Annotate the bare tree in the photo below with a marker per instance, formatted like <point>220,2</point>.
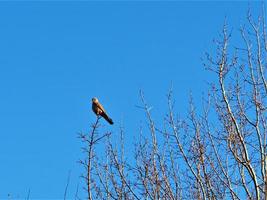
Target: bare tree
<point>217,153</point>
<point>90,140</point>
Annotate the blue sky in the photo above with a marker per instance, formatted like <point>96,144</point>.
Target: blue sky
<point>55,56</point>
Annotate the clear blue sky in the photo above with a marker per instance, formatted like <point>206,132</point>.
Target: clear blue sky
<point>55,56</point>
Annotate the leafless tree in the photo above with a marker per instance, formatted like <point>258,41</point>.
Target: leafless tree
<point>90,140</point>
<point>219,152</point>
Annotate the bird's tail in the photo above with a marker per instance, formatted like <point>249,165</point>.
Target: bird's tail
<point>105,116</point>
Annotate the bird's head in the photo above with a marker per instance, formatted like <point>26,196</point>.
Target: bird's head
<point>94,100</point>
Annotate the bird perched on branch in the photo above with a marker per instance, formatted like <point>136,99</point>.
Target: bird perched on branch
<point>100,111</point>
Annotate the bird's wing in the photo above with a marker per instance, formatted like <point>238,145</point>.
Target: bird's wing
<point>100,107</point>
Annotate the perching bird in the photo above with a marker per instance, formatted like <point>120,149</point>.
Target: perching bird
<point>99,110</point>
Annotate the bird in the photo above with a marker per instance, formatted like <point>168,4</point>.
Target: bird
<point>100,111</point>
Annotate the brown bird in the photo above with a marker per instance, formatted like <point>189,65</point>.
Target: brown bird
<point>99,110</point>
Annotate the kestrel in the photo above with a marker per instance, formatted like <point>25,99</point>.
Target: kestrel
<point>99,110</point>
